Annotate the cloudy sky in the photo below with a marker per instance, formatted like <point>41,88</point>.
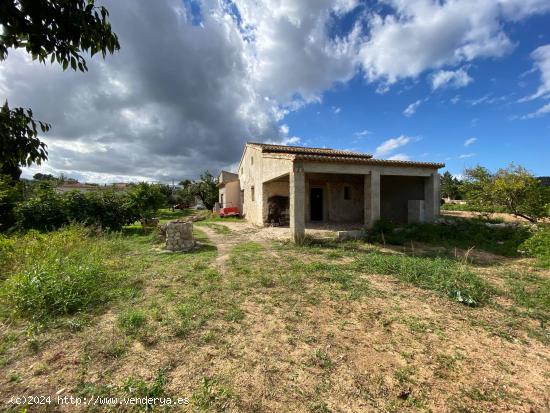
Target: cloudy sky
<point>458,81</point>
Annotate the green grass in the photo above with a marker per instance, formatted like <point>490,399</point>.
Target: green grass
<point>58,273</point>
<point>220,229</point>
<point>531,292</point>
<point>454,279</point>
<point>538,246</point>
<point>132,321</point>
<point>213,395</point>
<point>461,233</point>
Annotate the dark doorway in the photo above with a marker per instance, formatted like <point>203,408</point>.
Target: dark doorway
<point>316,201</point>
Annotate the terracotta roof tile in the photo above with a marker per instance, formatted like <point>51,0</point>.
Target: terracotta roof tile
<point>301,150</point>
<point>368,161</point>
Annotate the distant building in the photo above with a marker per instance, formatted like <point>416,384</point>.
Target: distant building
<point>544,180</point>
<point>76,186</point>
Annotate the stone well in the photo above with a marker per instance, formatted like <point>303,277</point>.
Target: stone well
<point>179,236</point>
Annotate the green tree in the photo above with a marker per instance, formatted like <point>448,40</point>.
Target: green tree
<point>49,30</point>
<point>512,189</point>
<point>19,143</point>
<point>450,186</point>
<point>43,177</point>
<point>206,189</point>
<point>185,194</point>
<point>146,199</point>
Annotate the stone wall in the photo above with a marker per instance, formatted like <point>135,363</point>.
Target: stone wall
<point>179,236</point>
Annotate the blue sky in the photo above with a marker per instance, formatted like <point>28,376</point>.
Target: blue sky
<point>480,123</point>
<point>463,82</point>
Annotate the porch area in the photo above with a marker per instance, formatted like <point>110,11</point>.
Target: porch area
<point>328,201</point>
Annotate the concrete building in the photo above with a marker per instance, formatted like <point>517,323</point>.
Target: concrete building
<point>304,186</point>
<point>229,190</point>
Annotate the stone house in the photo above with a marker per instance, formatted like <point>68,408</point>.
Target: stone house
<point>301,186</point>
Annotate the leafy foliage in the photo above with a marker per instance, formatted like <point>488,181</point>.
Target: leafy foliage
<point>48,209</point>
<point>58,273</point>
<point>57,30</point>
<point>19,143</point>
<point>206,189</point>
<point>10,194</point>
<point>538,246</point>
<point>146,199</point>
<point>513,189</point>
<point>450,186</point>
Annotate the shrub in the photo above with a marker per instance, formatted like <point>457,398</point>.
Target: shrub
<point>48,210</point>
<point>44,211</point>
<point>538,246</point>
<point>146,199</point>
<point>7,255</point>
<point>59,273</point>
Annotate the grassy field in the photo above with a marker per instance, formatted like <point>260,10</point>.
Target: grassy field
<point>323,327</point>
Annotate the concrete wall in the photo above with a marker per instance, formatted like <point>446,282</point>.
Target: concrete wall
<point>250,175</point>
<point>395,192</point>
<point>335,207</point>
<point>255,169</point>
<point>231,192</point>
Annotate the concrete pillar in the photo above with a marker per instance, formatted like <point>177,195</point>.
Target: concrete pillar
<point>372,198</point>
<point>297,203</point>
<point>432,197</point>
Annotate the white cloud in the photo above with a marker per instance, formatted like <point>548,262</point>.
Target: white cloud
<point>449,78</point>
<point>235,75</point>
<point>411,109</point>
<point>545,110</point>
<point>391,145</point>
<point>469,141</point>
<point>336,110</point>
<point>399,157</point>
<point>541,56</point>
<point>467,155</point>
<point>423,34</point>
<point>362,134</point>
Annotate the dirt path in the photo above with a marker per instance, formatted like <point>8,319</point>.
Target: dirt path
<point>241,232</point>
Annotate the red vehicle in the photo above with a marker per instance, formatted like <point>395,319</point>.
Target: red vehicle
<point>230,212</point>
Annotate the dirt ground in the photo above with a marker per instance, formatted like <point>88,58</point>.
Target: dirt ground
<point>296,343</point>
<point>497,216</point>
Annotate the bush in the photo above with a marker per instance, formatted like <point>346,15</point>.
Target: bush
<point>48,210</point>
<point>538,246</point>
<point>59,273</point>
<point>146,199</point>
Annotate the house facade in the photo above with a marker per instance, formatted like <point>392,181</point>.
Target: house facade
<point>302,186</point>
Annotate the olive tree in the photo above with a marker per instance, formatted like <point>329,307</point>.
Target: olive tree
<point>512,189</point>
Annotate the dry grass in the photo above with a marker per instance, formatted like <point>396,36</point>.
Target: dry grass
<point>297,329</point>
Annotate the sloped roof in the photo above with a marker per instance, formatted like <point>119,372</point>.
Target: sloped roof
<point>369,161</point>
<point>302,150</point>
<point>334,155</point>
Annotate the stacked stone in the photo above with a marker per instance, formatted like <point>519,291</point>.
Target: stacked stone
<point>179,236</point>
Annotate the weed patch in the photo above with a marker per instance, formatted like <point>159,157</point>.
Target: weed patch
<point>62,272</point>
<point>213,395</point>
<point>132,321</point>
<point>460,233</point>
<point>437,274</point>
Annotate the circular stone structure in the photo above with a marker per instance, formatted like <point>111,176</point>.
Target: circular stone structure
<point>179,236</point>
